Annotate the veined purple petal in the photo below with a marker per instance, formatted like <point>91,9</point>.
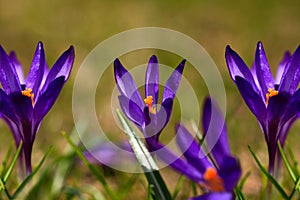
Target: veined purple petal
<point>214,196</point>
<point>191,149</point>
<point>8,75</point>
<point>164,114</point>
<point>291,77</point>
<point>126,84</point>
<point>283,67</point>
<point>172,83</point>
<point>237,67</point>
<point>251,98</point>
<point>47,99</point>
<point>151,79</point>
<point>292,108</point>
<point>13,58</point>
<point>174,161</point>
<point>230,171</point>
<point>263,73</point>
<point>6,108</point>
<point>36,71</point>
<point>277,106</point>
<point>62,67</point>
<point>215,132</point>
<point>132,110</point>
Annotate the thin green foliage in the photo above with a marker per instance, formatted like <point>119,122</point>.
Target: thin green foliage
<point>269,176</point>
<point>178,187</point>
<point>98,175</point>
<point>30,176</point>
<point>146,161</point>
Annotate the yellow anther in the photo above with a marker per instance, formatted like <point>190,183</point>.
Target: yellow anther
<point>213,182</point>
<point>28,93</point>
<point>149,102</point>
<point>271,93</point>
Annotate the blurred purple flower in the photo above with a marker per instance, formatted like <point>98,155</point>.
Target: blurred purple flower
<point>218,173</point>
<point>25,102</point>
<point>146,114</point>
<point>111,155</point>
<point>275,103</point>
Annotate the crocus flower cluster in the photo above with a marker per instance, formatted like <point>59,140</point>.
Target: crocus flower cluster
<point>218,176</point>
<point>25,102</point>
<point>144,112</point>
<point>218,172</point>
<point>275,103</point>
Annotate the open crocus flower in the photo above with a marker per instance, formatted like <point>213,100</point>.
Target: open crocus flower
<point>25,102</point>
<point>275,103</point>
<point>217,173</point>
<point>145,112</point>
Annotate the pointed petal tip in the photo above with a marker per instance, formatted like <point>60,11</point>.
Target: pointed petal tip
<point>153,59</point>
<point>228,49</point>
<point>117,62</point>
<point>181,66</point>
<point>40,45</point>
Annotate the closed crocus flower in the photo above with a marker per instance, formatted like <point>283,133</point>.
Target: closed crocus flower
<point>274,102</point>
<point>24,102</point>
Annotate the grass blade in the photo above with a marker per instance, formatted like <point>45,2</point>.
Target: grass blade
<point>145,159</point>
<point>13,162</point>
<point>286,163</point>
<point>178,187</point>
<point>90,166</point>
<point>30,176</point>
<point>271,178</point>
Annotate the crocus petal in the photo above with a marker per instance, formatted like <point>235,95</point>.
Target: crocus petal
<point>283,67</point>
<point>263,72</point>
<point>6,107</point>
<point>13,58</point>
<point>215,132</point>
<point>126,84</point>
<point>214,196</point>
<point>47,99</point>
<point>191,149</point>
<point>290,78</point>
<point>151,79</point>
<point>230,171</point>
<point>36,71</point>
<point>252,99</point>
<point>173,160</point>
<point>62,67</point>
<point>172,83</point>
<point>277,106</point>
<point>132,110</point>
<point>292,108</point>
<point>164,114</point>
<point>8,75</point>
<point>237,67</point>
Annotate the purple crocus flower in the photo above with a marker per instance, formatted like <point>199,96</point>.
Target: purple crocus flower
<point>145,113</point>
<point>275,103</point>
<point>25,102</point>
<point>217,173</point>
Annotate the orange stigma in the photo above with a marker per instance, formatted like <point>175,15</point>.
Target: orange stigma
<point>28,93</point>
<point>149,102</point>
<point>271,93</point>
<point>213,183</point>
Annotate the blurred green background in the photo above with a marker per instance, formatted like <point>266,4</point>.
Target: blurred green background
<point>214,24</point>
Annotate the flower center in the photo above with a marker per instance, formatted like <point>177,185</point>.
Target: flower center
<point>28,93</point>
<point>213,183</point>
<point>149,102</point>
<point>271,93</point>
